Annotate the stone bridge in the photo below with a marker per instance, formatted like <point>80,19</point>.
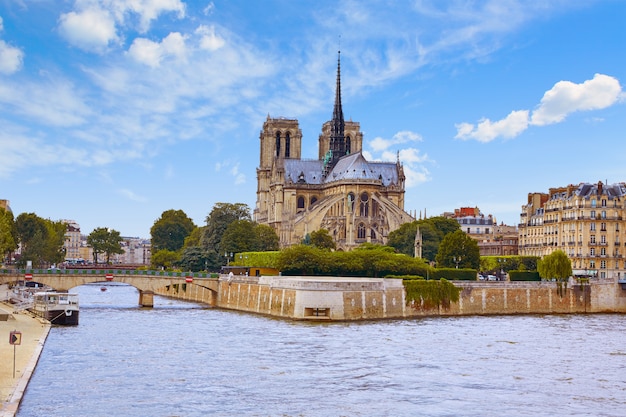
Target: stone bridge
<point>146,282</point>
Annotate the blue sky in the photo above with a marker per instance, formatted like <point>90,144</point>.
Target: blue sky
<point>113,111</point>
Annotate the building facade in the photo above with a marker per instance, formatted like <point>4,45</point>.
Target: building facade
<point>586,221</point>
<point>356,200</point>
<point>493,239</point>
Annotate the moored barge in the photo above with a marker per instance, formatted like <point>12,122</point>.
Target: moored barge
<point>56,307</point>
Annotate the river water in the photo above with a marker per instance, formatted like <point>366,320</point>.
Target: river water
<point>182,359</point>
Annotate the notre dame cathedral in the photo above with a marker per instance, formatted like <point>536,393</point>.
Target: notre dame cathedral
<point>355,200</point>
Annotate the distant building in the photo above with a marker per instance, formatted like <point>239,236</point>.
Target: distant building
<point>5,205</point>
<point>492,239</point>
<point>72,242</point>
<point>586,221</point>
<point>357,201</point>
<point>137,251</point>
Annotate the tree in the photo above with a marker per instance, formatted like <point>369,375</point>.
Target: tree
<point>321,239</point>
<point>248,236</point>
<point>194,237</point>
<point>222,215</point>
<point>41,239</point>
<point>432,230</point>
<point>458,249</point>
<point>170,230</point>
<point>106,241</point>
<point>8,233</point>
<point>193,259</point>
<point>164,259</point>
<point>556,265</point>
<point>267,239</point>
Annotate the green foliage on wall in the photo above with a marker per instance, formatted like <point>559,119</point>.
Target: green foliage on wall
<point>430,294</point>
<point>258,259</point>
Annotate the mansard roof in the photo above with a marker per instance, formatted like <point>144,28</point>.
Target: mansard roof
<point>587,190</point>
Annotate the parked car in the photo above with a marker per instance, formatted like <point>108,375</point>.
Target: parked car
<point>492,278</point>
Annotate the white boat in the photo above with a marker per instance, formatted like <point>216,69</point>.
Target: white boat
<point>56,307</point>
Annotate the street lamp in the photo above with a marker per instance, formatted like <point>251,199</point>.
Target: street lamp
<point>456,260</point>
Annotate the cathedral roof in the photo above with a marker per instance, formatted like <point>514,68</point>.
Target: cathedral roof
<point>356,167</point>
<point>351,167</point>
<point>307,171</point>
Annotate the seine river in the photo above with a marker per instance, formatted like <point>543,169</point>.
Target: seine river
<point>182,359</point>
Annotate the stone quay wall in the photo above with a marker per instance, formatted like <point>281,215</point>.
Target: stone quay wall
<point>337,298</point>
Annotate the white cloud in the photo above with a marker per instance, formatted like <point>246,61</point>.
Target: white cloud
<point>152,53</point>
<point>90,29</point>
<point>147,10</point>
<point>486,130</point>
<point>567,97</point>
<point>208,39</point>
<point>11,58</point>
<point>379,144</point>
<point>129,194</point>
<point>557,103</point>
<point>411,158</point>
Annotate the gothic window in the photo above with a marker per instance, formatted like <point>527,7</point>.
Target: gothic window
<point>361,231</point>
<point>300,202</point>
<point>313,200</point>
<point>278,144</point>
<point>287,144</point>
<point>348,145</point>
<point>375,208</point>
<point>373,232</point>
<point>364,206</point>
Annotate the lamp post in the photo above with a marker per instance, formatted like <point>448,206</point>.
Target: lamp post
<point>456,260</point>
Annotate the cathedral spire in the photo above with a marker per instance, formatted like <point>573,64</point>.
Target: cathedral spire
<point>337,138</point>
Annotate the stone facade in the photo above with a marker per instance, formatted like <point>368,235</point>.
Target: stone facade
<point>335,299</point>
<point>586,221</point>
<point>356,200</point>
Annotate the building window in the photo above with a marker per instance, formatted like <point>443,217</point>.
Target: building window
<point>300,202</point>
<point>361,231</point>
<point>364,206</point>
<point>593,214</point>
<point>373,232</point>
<point>603,227</point>
<point>592,251</point>
<point>348,145</point>
<point>287,145</point>
<point>603,240</point>
<point>592,264</point>
<point>592,227</point>
<point>313,200</point>
<point>278,144</point>
<point>593,203</point>
<point>602,251</point>
<point>602,264</point>
<point>603,202</point>
<point>592,239</point>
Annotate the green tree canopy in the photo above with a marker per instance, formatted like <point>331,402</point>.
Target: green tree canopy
<point>103,240</point>
<point>193,259</point>
<point>222,215</point>
<point>556,265</point>
<point>170,230</point>
<point>321,239</point>
<point>458,249</point>
<point>8,233</point>
<point>41,239</point>
<point>432,230</point>
<point>248,236</point>
<point>164,259</point>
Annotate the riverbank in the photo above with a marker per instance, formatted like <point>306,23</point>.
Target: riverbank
<point>346,299</point>
<point>34,332</point>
